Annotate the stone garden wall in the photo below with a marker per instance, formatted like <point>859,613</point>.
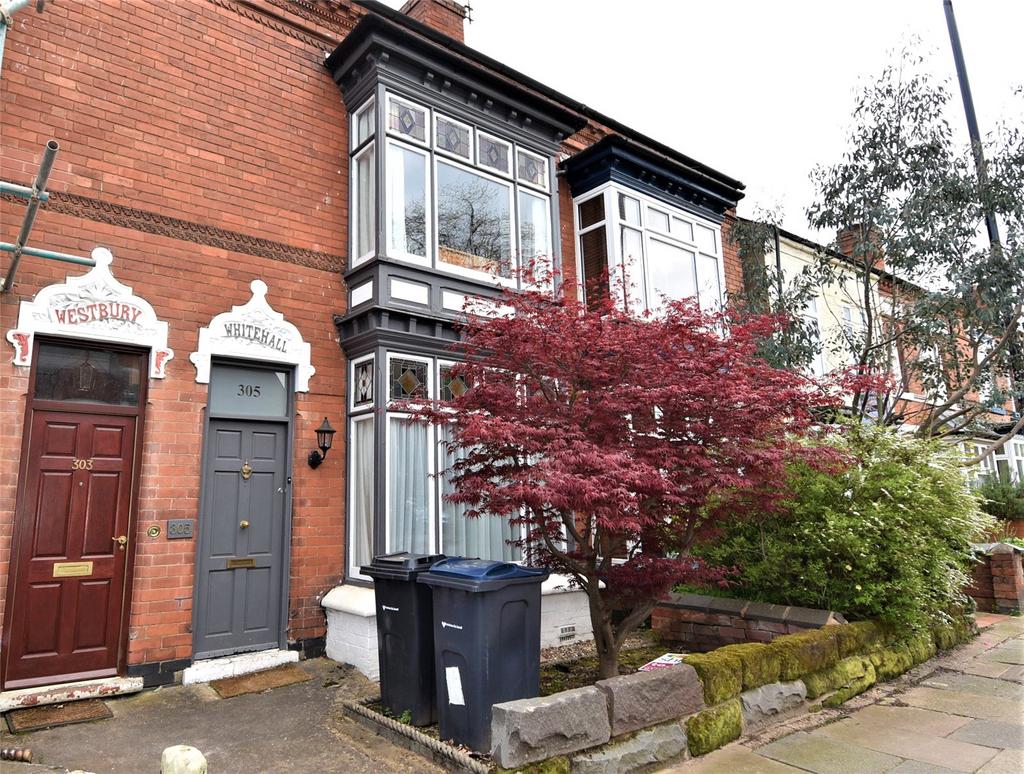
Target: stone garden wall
<point>703,623</point>
<point>998,578</point>
<point>630,722</point>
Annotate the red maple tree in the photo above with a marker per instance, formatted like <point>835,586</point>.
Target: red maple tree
<point>613,441</point>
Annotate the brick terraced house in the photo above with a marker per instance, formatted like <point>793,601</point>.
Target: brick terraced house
<point>286,204</point>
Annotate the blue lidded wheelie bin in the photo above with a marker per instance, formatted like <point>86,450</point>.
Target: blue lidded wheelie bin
<point>486,642</point>
<point>405,641</point>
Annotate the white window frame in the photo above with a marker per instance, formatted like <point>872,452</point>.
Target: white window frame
<point>353,567</point>
<point>613,223</point>
<point>354,142</point>
<point>354,213</point>
<point>428,204</point>
<point>513,225</point>
<point>352,364</point>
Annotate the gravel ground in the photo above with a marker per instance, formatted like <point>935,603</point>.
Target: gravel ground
<point>585,649</point>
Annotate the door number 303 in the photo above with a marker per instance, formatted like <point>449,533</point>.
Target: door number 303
<point>248,391</point>
<point>77,464</point>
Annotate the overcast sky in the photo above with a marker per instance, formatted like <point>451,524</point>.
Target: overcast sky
<point>760,90</point>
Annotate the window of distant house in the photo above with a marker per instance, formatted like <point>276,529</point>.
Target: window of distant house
<point>651,251</point>
<point>457,198</point>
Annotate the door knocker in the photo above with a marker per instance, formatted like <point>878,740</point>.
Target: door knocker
<point>246,471</point>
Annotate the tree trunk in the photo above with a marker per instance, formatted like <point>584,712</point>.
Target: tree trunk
<point>607,652</point>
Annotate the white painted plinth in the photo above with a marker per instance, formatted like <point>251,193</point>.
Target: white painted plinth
<point>232,666</point>
<point>101,688</point>
<point>352,622</point>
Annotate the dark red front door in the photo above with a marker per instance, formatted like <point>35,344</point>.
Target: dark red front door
<point>67,587</point>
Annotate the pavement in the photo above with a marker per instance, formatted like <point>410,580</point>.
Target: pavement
<point>960,712</point>
<point>296,728</point>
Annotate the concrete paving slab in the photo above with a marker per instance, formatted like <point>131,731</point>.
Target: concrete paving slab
<point>1014,673</point>
<point>933,750</point>
<point>992,733</point>
<point>732,760</point>
<point>823,755</point>
<point>912,719</point>
<point>966,704</point>
<point>1007,762</point>
<point>985,669</point>
<point>976,684</point>
<point>916,767</point>
<point>1010,653</point>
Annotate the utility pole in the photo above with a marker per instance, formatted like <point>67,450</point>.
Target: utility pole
<point>991,225</point>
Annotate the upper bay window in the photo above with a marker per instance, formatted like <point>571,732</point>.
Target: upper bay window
<point>651,251</point>
<point>457,198</point>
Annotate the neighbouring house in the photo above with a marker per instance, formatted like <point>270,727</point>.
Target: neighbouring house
<point>292,201</point>
<point>836,313</point>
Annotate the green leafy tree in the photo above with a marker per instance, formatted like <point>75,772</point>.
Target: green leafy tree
<point>951,310</point>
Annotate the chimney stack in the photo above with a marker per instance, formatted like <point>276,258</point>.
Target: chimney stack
<point>850,239</point>
<point>445,16</point>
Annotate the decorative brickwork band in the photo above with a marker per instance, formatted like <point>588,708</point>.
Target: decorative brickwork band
<point>185,230</point>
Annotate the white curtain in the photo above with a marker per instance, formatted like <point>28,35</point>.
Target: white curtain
<point>365,204</point>
<point>409,485</point>
<point>485,536</point>
<point>361,517</point>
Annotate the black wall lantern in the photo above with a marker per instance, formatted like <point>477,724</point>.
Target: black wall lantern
<point>324,439</point>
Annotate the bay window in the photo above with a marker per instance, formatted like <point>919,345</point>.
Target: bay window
<point>652,251</point>
<point>416,475</point>
<point>457,198</point>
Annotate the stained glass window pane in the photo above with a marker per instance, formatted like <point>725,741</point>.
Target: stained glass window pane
<point>86,375</point>
<point>493,153</point>
<point>657,219</point>
<point>363,384</point>
<point>408,379</point>
<point>452,385</point>
<point>453,137</point>
<point>474,221</point>
<point>407,201</point>
<point>531,169</point>
<point>405,118</point>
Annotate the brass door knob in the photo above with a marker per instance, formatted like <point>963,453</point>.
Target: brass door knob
<point>121,541</point>
<point>243,524</point>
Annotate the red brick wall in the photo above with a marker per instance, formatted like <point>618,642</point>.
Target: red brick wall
<point>443,15</point>
<point>205,145</point>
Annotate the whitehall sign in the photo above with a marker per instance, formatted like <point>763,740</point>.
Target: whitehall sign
<point>94,306</point>
<point>256,332</point>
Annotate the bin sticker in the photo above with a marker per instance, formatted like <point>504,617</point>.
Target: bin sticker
<point>392,609</point>
<point>454,680</point>
<point>446,625</point>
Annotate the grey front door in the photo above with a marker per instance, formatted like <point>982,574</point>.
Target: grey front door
<point>241,538</point>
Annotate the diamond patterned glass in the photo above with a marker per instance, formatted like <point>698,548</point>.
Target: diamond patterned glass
<point>452,386</point>
<point>364,384</point>
<point>407,119</point>
<point>493,153</point>
<point>531,169</point>
<point>408,379</point>
<point>453,137</point>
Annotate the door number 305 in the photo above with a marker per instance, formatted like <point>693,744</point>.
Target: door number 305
<point>77,464</point>
<point>248,391</point>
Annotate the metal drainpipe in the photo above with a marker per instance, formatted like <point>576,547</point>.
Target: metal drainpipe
<point>38,187</point>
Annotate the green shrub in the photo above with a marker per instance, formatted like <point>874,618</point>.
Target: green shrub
<point>1002,499</point>
<point>889,538</point>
